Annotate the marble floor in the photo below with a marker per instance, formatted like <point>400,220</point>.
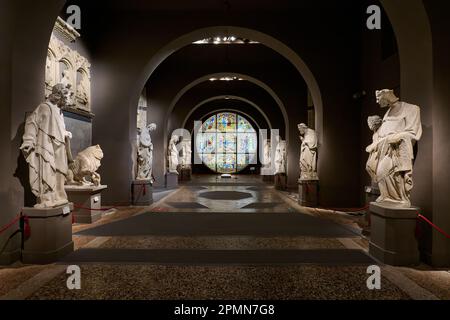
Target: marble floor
<point>222,239</point>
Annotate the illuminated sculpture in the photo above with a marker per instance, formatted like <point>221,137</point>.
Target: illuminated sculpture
<point>308,155</point>
<point>46,148</point>
<point>145,153</point>
<point>172,154</point>
<point>400,130</point>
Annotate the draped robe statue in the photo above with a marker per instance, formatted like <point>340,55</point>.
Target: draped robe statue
<point>308,154</point>
<point>267,154</point>
<point>400,130</point>
<point>172,154</point>
<point>186,150</point>
<point>280,157</point>
<point>374,123</point>
<point>145,153</point>
<point>46,149</point>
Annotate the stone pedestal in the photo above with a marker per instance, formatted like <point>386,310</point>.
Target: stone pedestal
<point>88,202</point>
<point>393,235</point>
<point>308,193</point>
<point>142,192</point>
<point>171,180</point>
<point>372,193</point>
<point>51,234</point>
<point>185,174</point>
<point>281,181</point>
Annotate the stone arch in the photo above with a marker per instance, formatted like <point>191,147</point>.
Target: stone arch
<point>255,35</point>
<point>239,75</point>
<point>232,98</point>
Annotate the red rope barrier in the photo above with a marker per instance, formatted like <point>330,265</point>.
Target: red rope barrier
<point>421,217</point>
<point>10,224</point>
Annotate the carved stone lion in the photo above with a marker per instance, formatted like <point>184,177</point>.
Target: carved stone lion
<point>85,166</point>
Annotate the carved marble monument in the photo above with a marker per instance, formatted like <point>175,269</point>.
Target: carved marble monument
<point>172,155</point>
<point>267,154</point>
<point>280,166</point>
<point>308,154</point>
<point>186,154</point>
<point>85,166</point>
<point>145,153</point>
<point>67,66</point>
<point>393,220</point>
<point>185,166</point>
<point>393,155</point>
<point>308,187</point>
<point>267,170</point>
<point>46,150</point>
<point>280,157</point>
<point>83,185</point>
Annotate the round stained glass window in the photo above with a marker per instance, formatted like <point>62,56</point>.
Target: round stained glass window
<point>227,143</point>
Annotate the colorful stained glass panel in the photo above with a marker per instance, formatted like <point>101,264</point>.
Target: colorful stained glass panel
<point>209,125</point>
<point>226,122</point>
<point>226,163</point>
<point>244,125</point>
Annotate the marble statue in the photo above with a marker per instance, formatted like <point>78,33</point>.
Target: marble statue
<point>172,154</point>
<point>186,151</point>
<point>49,73</point>
<point>65,65</point>
<point>400,130</point>
<point>46,147</point>
<point>374,123</point>
<point>267,154</point>
<point>83,91</point>
<point>86,165</point>
<point>145,153</point>
<point>308,153</point>
<point>280,157</point>
<point>67,82</point>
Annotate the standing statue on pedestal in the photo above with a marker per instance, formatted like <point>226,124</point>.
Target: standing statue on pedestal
<point>172,154</point>
<point>308,153</point>
<point>46,147</point>
<point>145,153</point>
<point>280,158</point>
<point>267,154</point>
<point>397,135</point>
<point>186,151</point>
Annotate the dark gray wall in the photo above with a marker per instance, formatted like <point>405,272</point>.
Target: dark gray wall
<point>81,129</point>
<point>440,27</point>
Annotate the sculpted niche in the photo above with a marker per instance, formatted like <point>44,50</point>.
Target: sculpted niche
<point>145,153</point>
<point>46,148</point>
<point>391,153</point>
<point>308,153</point>
<point>68,67</point>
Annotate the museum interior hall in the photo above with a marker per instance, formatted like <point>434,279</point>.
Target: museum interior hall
<point>225,149</point>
